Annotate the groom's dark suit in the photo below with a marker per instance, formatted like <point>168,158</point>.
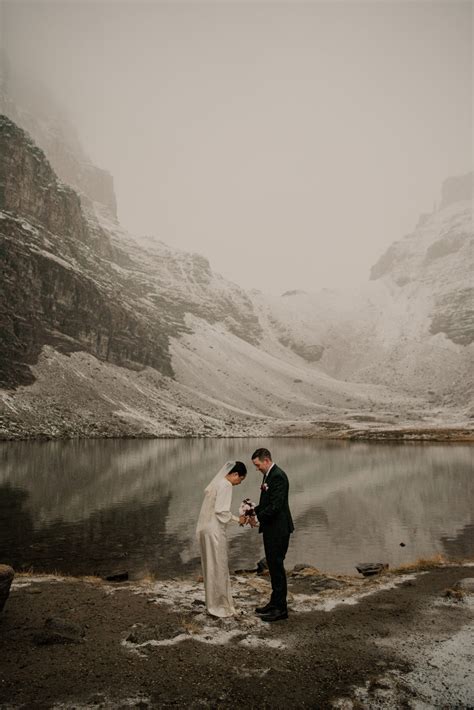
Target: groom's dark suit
<point>276,524</point>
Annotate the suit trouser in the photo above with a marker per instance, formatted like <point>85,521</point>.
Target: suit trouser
<point>276,546</point>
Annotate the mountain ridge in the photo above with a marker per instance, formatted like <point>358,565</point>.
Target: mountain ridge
<point>147,340</point>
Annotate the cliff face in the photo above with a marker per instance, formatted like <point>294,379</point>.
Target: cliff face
<point>178,282</point>
<point>33,108</point>
<point>29,187</point>
<point>412,326</point>
<point>73,279</point>
<point>435,263</point>
<point>57,286</point>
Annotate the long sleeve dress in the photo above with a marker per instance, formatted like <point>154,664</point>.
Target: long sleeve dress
<point>214,517</point>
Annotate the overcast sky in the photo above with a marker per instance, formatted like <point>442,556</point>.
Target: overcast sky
<point>289,142</point>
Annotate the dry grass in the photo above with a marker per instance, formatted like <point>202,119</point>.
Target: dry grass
<point>90,579</point>
<point>190,626</point>
<point>27,574</point>
<point>31,572</point>
<point>146,578</point>
<point>457,595</point>
<point>423,563</point>
<point>307,572</point>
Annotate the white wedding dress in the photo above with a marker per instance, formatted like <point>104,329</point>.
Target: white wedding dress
<point>214,517</point>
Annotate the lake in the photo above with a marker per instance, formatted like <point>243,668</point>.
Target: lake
<point>102,506</point>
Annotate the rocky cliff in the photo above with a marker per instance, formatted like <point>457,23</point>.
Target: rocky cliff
<point>59,286</point>
<point>411,326</point>
<point>436,262</point>
<point>75,283</point>
<point>32,107</point>
<point>102,335</point>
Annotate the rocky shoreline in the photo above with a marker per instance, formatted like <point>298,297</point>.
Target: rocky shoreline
<point>390,436</point>
<point>19,421</point>
<point>400,639</point>
<point>405,435</point>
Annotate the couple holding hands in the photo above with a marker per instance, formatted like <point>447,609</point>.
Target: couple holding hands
<point>272,516</point>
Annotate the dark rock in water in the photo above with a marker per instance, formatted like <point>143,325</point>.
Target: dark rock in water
<point>61,631</point>
<point>198,602</point>
<point>117,577</point>
<point>368,569</point>
<point>402,544</point>
<point>6,578</point>
<point>262,566</point>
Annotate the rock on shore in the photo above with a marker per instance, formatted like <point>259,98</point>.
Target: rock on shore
<point>6,578</point>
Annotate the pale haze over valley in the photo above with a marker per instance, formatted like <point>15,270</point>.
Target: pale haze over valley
<point>290,143</point>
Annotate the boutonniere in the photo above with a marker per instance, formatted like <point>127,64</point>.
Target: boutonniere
<point>264,487</point>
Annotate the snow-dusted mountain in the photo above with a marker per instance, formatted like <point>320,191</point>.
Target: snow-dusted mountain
<point>411,326</point>
<point>74,282</point>
<point>104,335</point>
<point>32,107</point>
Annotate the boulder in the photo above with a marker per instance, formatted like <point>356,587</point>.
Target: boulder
<point>117,577</point>
<point>369,569</point>
<point>301,566</point>
<point>6,578</point>
<point>320,583</point>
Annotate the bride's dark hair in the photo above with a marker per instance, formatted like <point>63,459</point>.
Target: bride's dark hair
<point>239,468</point>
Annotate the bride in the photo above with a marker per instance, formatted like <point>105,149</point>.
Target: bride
<point>213,519</point>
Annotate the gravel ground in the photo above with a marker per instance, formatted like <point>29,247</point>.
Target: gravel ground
<point>395,640</point>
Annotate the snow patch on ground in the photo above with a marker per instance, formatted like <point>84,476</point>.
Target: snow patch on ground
<point>19,582</point>
<point>208,634</point>
<point>100,700</point>
<point>245,628</point>
<point>310,602</point>
<point>441,677</point>
<point>275,384</point>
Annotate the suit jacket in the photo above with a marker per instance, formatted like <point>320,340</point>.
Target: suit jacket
<point>273,511</point>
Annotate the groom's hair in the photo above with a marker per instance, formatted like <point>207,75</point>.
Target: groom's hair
<point>261,454</point>
<point>239,468</point>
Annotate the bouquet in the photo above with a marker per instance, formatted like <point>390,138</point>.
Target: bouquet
<point>247,508</point>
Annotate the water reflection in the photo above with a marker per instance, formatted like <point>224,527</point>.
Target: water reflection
<point>100,506</point>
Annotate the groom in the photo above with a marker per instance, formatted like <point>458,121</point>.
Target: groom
<point>274,516</point>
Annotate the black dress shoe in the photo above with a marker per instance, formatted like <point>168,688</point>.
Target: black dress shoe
<point>264,609</point>
<point>275,615</point>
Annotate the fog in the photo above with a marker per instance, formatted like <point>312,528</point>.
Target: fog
<point>290,143</point>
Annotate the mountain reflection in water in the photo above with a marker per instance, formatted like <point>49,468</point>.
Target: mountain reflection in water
<point>98,506</point>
